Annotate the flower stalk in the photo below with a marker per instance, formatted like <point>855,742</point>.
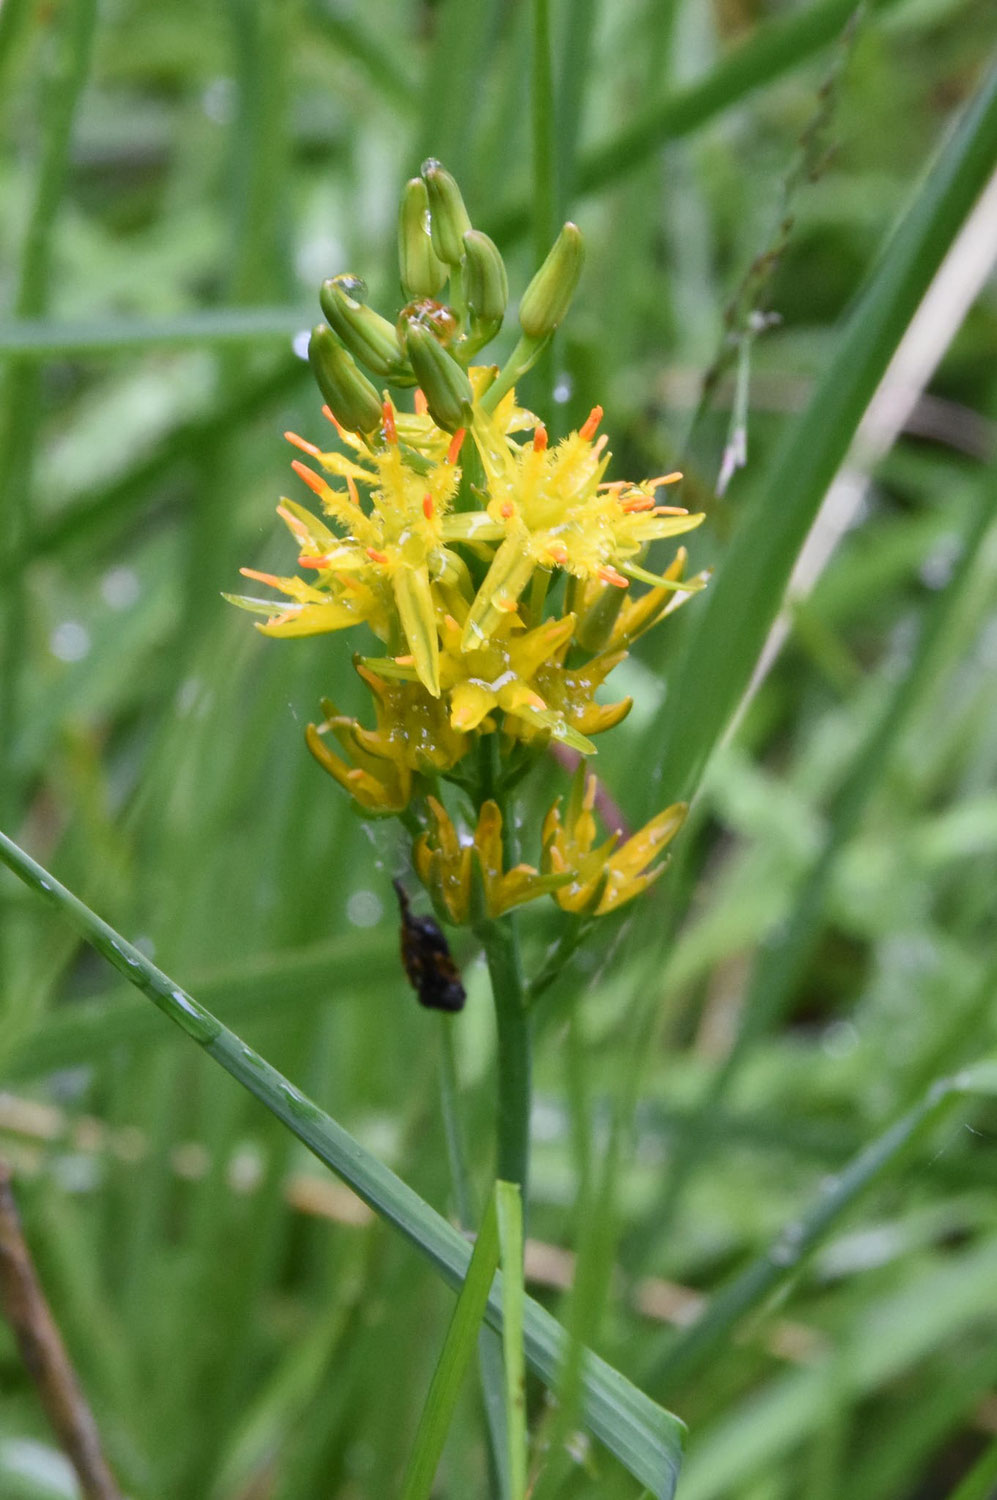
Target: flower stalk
<point>499,580</point>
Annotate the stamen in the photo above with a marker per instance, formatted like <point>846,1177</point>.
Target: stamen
<point>269,578</point>
<point>355,775</point>
<point>427,507</point>
<point>352,487</point>
<point>591,423</point>
<point>559,555</point>
<point>639,502</point>
<point>610,575</point>
<point>673,478</point>
<point>375,556</point>
<point>456,443</point>
<point>534,700</point>
<point>390,430</point>
<point>313,480</point>
<point>303,444</point>
<point>540,438</point>
<point>405,661</point>
<point>508,510</point>
<point>419,402</point>
<point>450,622</point>
<point>505,604</point>
<point>670,510</point>
<point>309,560</point>
<point>599,445</point>
<point>330,416</point>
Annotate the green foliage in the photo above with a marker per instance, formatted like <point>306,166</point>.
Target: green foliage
<point>766,1087</point>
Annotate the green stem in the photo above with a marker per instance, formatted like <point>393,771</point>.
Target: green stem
<point>505,970</point>
<point>520,360</point>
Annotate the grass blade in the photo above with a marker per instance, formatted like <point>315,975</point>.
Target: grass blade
<point>460,1343</point>
<point>509,1213</point>
<point>748,589</point>
<point>782,1260</point>
<point>643,1436</point>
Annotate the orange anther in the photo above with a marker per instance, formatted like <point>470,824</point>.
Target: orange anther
<point>405,661</point>
<point>303,444</point>
<point>456,443</point>
<point>636,501</point>
<point>355,775</point>
<point>670,510</point>
<point>427,507</point>
<point>419,402</point>
<point>450,622</point>
<point>508,509</point>
<point>390,430</point>
<point>313,481</point>
<point>506,605</point>
<point>559,555</point>
<point>330,416</point>
<point>591,423</point>
<point>672,478</point>
<point>261,577</point>
<point>308,560</point>
<point>375,556</point>
<point>539,438</point>
<point>535,701</point>
<point>610,575</point>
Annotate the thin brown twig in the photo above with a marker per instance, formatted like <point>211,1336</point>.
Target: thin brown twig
<point>44,1353</point>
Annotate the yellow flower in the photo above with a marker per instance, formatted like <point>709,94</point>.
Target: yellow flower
<point>504,673</point>
<point>382,569</point>
<point>380,784</point>
<point>605,878</point>
<point>551,509</point>
<point>443,863</point>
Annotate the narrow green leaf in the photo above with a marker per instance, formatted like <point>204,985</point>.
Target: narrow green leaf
<point>39,338</point>
<point>782,1260</point>
<point>644,1437</point>
<point>459,1346</point>
<point>747,591</point>
<point>509,1209</point>
<point>774,50</point>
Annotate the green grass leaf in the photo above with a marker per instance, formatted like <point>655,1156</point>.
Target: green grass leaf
<point>747,591</point>
<point>643,1436</point>
<point>455,1356</point>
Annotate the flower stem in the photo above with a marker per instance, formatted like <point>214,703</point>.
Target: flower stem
<point>505,969</point>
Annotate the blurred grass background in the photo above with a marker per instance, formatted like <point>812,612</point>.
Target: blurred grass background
<point>175,182</point>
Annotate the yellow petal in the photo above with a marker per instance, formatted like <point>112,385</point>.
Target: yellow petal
<point>636,854</point>
<point>414,598</point>
<point>310,619</point>
<point>470,703</point>
<point>510,572</point>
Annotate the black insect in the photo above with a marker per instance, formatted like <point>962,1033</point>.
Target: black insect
<point>427,960</point>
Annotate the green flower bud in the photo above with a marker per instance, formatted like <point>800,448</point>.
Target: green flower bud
<point>448,220</point>
<point>422,272</point>
<point>352,399</point>
<point>368,337</point>
<point>444,384</point>
<point>549,294</point>
<point>486,285</point>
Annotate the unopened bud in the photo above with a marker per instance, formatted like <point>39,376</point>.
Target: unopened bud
<point>448,220</point>
<point>422,271</point>
<point>368,337</point>
<point>549,294</point>
<point>486,285</point>
<point>352,399</point>
<point>444,384</point>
